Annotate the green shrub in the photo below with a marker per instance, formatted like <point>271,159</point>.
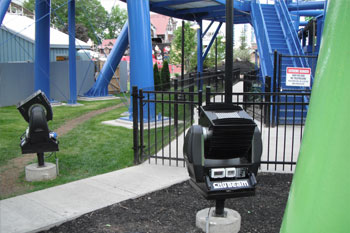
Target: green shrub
<point>157,80</point>
<point>165,76</point>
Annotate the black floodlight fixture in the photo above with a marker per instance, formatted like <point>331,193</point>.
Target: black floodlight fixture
<point>37,111</point>
<point>223,153</point>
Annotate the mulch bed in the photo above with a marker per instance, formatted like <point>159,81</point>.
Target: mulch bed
<point>174,210</point>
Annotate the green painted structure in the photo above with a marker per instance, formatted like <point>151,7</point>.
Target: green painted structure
<point>319,199</point>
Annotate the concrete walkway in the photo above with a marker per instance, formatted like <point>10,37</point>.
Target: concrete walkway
<point>44,209</point>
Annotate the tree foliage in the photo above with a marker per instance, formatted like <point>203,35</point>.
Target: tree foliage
<point>243,40</point>
<point>165,76</point>
<point>115,22</point>
<point>190,50</point>
<point>157,80</point>
<point>90,16</point>
<point>209,61</point>
<point>243,52</point>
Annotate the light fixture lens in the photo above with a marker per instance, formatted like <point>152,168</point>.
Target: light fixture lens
<point>217,173</point>
<point>195,26</point>
<point>230,172</point>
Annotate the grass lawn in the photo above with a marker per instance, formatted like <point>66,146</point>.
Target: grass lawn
<point>12,125</point>
<point>91,149</point>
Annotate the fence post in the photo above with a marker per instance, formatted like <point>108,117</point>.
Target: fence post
<point>200,100</point>
<point>216,81</point>
<point>275,56</point>
<point>207,95</point>
<point>135,124</point>
<point>191,89</point>
<point>141,125</point>
<point>267,100</point>
<point>176,98</point>
<point>279,87</point>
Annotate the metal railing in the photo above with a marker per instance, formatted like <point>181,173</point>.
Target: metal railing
<point>160,140</point>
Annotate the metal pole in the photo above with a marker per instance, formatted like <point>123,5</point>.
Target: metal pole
<point>42,47</point>
<point>182,54</point>
<point>216,54</point>
<point>41,160</point>
<point>220,207</point>
<point>135,124</point>
<point>199,55</point>
<point>229,51</point>
<point>72,54</point>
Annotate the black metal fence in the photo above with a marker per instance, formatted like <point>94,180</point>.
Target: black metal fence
<point>160,133</point>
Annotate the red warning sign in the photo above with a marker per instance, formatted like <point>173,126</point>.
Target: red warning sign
<point>298,77</point>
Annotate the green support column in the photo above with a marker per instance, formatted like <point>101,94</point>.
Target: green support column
<point>319,199</point>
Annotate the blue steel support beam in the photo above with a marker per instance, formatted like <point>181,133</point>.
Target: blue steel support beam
<point>72,53</point>
<point>141,65</point>
<point>100,87</point>
<point>303,23</point>
<point>199,53</point>
<point>4,5</point>
<point>308,12</point>
<point>211,41</point>
<point>306,5</point>
<point>207,29</point>
<point>199,10</point>
<point>42,47</point>
<point>172,2</point>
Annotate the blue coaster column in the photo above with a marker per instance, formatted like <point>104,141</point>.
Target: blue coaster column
<point>100,88</point>
<point>141,66</point>
<point>4,5</point>
<point>199,53</point>
<point>42,47</point>
<point>72,53</point>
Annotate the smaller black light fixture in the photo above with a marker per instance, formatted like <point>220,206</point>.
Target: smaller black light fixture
<point>37,111</point>
<point>223,153</point>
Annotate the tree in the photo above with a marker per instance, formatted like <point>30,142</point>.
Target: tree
<point>157,80</point>
<point>115,22</point>
<point>81,32</point>
<point>90,14</point>
<point>165,76</point>
<point>190,50</point>
<point>209,61</point>
<point>243,52</point>
<point>243,40</point>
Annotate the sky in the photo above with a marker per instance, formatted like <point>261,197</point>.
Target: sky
<point>108,4</point>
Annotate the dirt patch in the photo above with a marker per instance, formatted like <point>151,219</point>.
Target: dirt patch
<point>10,173</point>
<point>174,210</point>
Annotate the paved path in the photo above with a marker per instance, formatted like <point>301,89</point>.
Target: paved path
<point>46,208</point>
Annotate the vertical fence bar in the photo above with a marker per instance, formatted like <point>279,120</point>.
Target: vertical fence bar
<point>200,100</point>
<point>275,56</point>
<point>267,99</point>
<point>245,90</point>
<point>135,124</point>
<point>162,128</point>
<point>279,86</point>
<point>149,127</point>
<point>155,127</point>
<point>191,89</point>
<point>176,117</point>
<point>141,125</point>
<point>169,128</point>
<point>302,117</point>
<point>285,130</point>
<point>292,151</point>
